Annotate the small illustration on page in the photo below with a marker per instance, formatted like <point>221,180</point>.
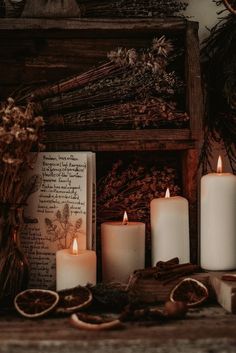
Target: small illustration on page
<point>62,230</point>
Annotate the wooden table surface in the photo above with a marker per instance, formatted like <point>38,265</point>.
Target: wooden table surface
<point>209,329</point>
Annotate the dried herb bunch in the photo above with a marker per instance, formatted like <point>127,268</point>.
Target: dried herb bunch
<point>131,8</point>
<point>131,187</point>
<point>136,88</point>
<point>219,67</point>
<point>151,113</point>
<point>19,133</point>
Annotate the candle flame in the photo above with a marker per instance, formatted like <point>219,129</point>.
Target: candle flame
<point>167,193</point>
<point>75,247</point>
<point>219,165</point>
<point>125,218</point>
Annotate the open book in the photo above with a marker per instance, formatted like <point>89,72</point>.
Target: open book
<point>61,206</point>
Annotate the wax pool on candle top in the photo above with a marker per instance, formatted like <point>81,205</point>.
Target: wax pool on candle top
<point>170,229</point>
<point>123,249</point>
<point>75,267</point>
<point>218,220</point>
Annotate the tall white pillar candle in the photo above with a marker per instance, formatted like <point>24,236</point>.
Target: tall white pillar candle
<point>123,249</point>
<point>218,220</point>
<point>170,229</point>
<point>75,267</point>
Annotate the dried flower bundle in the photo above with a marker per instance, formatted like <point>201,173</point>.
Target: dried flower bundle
<point>136,89</point>
<point>19,133</point>
<point>149,113</point>
<point>131,8</point>
<point>131,187</point>
<point>142,74</point>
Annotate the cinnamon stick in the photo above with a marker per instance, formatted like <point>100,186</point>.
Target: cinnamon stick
<point>167,271</point>
<point>167,264</point>
<point>176,272</point>
<point>148,272</point>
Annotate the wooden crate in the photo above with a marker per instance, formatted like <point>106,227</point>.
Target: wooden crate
<point>44,50</point>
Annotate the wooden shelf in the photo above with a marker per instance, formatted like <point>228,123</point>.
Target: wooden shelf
<point>120,140</point>
<point>85,24</point>
<point>40,51</point>
<point>197,333</point>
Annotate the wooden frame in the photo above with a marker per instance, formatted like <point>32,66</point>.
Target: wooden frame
<point>27,54</point>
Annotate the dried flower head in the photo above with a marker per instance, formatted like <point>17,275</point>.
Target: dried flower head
<point>162,46</point>
<point>123,56</point>
<point>19,132</point>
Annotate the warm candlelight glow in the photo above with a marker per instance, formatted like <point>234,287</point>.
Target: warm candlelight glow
<point>125,218</point>
<point>75,247</point>
<point>167,193</point>
<point>219,165</point>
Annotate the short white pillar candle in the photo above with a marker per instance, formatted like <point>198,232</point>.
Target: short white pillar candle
<point>170,229</point>
<point>123,249</point>
<point>75,267</point>
<point>218,220</point>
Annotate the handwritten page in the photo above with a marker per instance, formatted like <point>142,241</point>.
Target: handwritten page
<point>57,211</point>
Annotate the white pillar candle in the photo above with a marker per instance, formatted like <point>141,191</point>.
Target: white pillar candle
<point>75,267</point>
<point>170,229</point>
<point>218,220</point>
<point>123,249</point>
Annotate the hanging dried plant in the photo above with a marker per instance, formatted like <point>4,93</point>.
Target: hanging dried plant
<point>219,67</point>
<point>19,133</point>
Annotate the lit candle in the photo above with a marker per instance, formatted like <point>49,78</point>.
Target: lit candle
<point>218,220</point>
<point>170,228</point>
<point>123,249</point>
<point>75,267</point>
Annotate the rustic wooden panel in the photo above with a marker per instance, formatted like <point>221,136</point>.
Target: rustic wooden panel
<point>190,187</point>
<point>193,79</point>
<point>83,24</point>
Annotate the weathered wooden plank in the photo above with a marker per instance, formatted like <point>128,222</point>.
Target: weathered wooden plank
<point>193,79</point>
<point>120,140</point>
<point>120,135</point>
<point>190,186</point>
<point>118,146</point>
<point>173,24</point>
<point>198,333</point>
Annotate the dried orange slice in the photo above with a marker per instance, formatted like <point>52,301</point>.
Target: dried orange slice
<point>190,291</point>
<point>33,303</point>
<point>94,323</point>
<point>74,299</point>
